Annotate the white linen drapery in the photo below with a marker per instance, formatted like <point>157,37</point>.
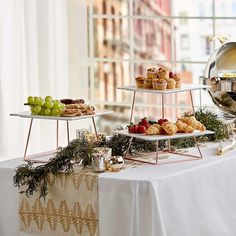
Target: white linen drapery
<point>33,61</point>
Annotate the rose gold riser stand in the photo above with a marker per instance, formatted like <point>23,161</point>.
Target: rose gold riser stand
<point>186,88</point>
<point>33,158</point>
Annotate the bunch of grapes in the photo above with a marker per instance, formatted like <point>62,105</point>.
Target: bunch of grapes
<point>45,107</point>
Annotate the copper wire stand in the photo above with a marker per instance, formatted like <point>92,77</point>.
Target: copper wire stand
<point>162,104</point>
<point>32,159</point>
<point>157,156</point>
<point>194,157</point>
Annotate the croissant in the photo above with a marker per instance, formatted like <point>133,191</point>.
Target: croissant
<point>152,130</point>
<point>157,126</point>
<point>183,127</point>
<point>170,128</point>
<point>191,120</point>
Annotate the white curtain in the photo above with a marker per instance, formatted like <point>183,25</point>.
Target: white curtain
<point>33,61</point>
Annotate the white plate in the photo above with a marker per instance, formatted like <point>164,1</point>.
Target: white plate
<point>184,87</point>
<point>27,114</point>
<point>162,137</point>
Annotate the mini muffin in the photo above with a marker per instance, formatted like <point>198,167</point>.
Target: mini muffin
<point>163,73</point>
<point>176,77</point>
<point>140,82</point>
<point>148,83</point>
<point>171,83</point>
<point>151,73</point>
<point>160,84</point>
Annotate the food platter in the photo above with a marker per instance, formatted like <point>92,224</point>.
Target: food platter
<point>27,114</point>
<point>196,133</point>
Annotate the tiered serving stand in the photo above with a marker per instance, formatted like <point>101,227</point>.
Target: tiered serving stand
<point>57,119</point>
<point>184,88</point>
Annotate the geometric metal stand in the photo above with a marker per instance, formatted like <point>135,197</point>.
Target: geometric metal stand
<point>57,119</point>
<point>57,139</point>
<point>185,87</point>
<point>127,157</point>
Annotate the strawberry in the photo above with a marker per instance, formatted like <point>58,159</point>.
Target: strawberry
<point>133,129</point>
<point>162,121</point>
<point>144,121</point>
<point>147,126</point>
<point>141,129</point>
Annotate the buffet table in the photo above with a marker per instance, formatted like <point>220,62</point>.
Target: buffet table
<point>196,198</point>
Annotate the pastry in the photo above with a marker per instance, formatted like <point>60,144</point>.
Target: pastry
<point>169,128</point>
<point>151,73</point>
<point>163,73</point>
<point>183,127</point>
<point>78,101</point>
<point>171,83</point>
<point>140,82</point>
<point>66,101</point>
<point>148,83</point>
<point>159,84</point>
<point>72,112</point>
<point>152,130</point>
<point>176,77</point>
<point>191,120</point>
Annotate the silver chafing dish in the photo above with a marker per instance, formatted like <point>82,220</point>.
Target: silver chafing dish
<point>220,73</point>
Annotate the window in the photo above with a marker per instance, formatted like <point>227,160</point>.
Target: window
<point>184,41</point>
<point>144,33</point>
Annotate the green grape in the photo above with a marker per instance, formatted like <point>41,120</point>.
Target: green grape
<point>63,106</point>
<point>49,104</point>
<point>47,112</point>
<point>55,112</point>
<point>32,109</point>
<point>48,98</point>
<point>30,100</point>
<point>37,109</point>
<point>41,102</point>
<point>57,104</point>
<point>36,101</point>
<point>42,112</point>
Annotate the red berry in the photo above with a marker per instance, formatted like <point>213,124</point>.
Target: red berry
<point>171,74</point>
<point>133,128</point>
<point>147,126</point>
<point>162,121</point>
<point>144,121</point>
<point>141,129</point>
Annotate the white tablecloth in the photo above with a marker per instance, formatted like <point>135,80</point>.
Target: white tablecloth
<point>196,198</point>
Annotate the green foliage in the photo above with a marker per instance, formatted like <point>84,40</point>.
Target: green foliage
<point>34,178</point>
<point>211,122</point>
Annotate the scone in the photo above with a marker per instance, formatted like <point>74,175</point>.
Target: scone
<point>140,82</point>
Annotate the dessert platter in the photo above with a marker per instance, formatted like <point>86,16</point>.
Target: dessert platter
<point>162,81</point>
<point>59,110</point>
